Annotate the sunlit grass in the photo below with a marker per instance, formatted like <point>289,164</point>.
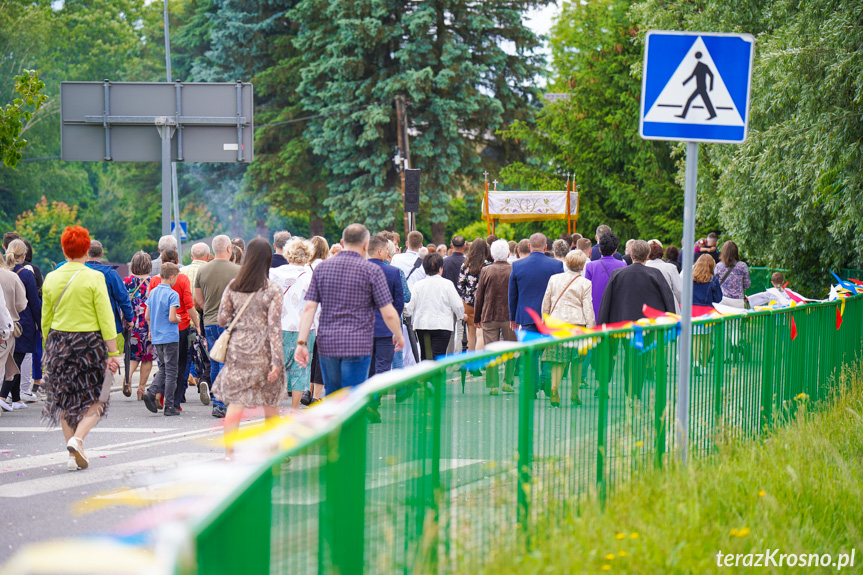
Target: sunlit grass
<point>799,489</point>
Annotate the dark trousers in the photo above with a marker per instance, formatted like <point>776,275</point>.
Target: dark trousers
<point>182,367</point>
<point>13,385</point>
<point>544,378</point>
<point>433,342</point>
<point>165,381</point>
<point>383,350</point>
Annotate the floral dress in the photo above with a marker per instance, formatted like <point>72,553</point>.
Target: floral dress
<point>254,348</point>
<point>467,284</point>
<point>139,335</point>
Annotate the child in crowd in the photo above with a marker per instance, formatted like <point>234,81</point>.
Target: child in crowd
<point>584,245</point>
<point>778,290</point>
<point>161,314</point>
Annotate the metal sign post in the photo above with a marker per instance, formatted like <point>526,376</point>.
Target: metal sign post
<point>695,88</point>
<point>114,121</point>
<point>689,196</point>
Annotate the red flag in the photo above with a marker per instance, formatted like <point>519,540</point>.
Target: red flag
<point>858,282</point>
<point>838,318</point>
<point>700,310</point>
<point>540,325</point>
<point>651,313</point>
<point>793,329</point>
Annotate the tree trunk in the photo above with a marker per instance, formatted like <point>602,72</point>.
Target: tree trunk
<point>438,232</point>
<point>316,225</point>
<point>262,230</point>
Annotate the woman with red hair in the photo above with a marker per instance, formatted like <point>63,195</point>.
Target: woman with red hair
<point>80,344</point>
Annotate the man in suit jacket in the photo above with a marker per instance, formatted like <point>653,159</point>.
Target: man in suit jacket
<point>527,284</point>
<point>384,346</point>
<point>633,286</point>
<point>528,281</point>
<point>627,291</point>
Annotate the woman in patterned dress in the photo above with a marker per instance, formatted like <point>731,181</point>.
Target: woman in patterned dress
<point>140,348</point>
<point>468,280</point>
<point>81,343</point>
<point>254,370</point>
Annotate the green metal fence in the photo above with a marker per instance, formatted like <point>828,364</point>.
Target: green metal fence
<point>460,472</point>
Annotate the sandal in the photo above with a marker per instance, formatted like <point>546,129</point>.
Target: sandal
<point>140,393</point>
<point>75,446</point>
<point>127,388</point>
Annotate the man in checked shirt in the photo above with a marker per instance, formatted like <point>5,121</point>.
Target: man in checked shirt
<point>349,289</point>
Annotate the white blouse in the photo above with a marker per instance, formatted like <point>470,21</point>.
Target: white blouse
<point>294,282</point>
<point>434,301</point>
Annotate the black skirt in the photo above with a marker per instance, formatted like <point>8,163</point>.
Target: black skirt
<point>74,366</point>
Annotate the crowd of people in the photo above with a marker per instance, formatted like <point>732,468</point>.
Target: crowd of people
<point>250,325</point>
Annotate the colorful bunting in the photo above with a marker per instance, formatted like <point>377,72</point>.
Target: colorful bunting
<point>793,329</point>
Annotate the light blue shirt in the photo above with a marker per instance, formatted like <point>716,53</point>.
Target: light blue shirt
<point>160,302</point>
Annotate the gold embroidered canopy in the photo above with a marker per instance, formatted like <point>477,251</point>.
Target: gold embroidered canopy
<point>530,206</point>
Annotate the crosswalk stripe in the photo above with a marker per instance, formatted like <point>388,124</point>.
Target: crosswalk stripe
<point>97,474</point>
<point>94,430</point>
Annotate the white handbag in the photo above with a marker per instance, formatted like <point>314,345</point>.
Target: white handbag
<point>220,348</point>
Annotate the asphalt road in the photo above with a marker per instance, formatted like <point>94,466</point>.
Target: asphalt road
<point>38,494</point>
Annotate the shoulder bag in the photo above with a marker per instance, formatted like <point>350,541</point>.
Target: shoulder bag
<point>220,348</point>
<point>563,292</point>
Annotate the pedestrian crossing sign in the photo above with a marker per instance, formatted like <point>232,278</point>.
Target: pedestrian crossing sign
<point>696,86</point>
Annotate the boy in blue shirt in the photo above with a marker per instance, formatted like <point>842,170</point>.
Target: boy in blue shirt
<point>161,314</point>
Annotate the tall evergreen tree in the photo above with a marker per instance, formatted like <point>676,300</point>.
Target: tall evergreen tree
<point>591,131</point>
<point>251,40</point>
<point>463,68</point>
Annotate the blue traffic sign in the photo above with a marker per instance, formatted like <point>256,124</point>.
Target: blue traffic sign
<point>696,86</point>
<point>184,229</point>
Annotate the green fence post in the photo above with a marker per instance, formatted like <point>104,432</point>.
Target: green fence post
<point>238,539</point>
<point>767,372</point>
<point>605,351</point>
<point>527,390</point>
<point>433,497</point>
<point>718,372</point>
<point>660,401</point>
<point>343,516</point>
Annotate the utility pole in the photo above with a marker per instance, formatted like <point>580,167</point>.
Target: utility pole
<point>174,194</point>
<point>404,155</point>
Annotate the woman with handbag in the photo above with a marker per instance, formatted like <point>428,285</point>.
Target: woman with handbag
<point>80,345</point>
<point>251,346</point>
<point>468,280</point>
<point>569,298</point>
<point>139,349</point>
<point>29,319</point>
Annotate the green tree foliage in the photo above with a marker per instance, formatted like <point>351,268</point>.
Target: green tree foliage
<point>789,196</point>
<point>15,115</point>
<point>446,58</point>
<point>592,130</point>
<point>43,226</point>
<point>78,40</point>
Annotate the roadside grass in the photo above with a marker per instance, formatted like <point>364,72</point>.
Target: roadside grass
<point>798,489</point>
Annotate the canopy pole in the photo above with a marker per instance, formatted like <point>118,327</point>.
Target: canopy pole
<point>568,210</point>
<point>485,205</point>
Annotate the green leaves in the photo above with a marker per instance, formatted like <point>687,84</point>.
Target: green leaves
<point>592,131</point>
<point>14,117</point>
<point>789,196</point>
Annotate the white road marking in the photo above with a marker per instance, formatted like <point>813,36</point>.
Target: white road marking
<point>96,429</point>
<point>74,480</point>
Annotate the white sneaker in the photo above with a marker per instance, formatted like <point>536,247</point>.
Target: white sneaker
<point>29,397</point>
<point>19,405</point>
<point>5,406</point>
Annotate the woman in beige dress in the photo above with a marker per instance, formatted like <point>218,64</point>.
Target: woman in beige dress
<point>254,370</point>
<point>569,298</point>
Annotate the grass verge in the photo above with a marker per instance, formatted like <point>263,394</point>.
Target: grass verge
<point>799,490</point>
